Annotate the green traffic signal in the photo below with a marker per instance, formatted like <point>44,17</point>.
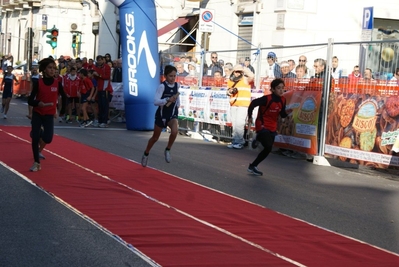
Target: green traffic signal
<point>74,41</point>
<point>53,36</point>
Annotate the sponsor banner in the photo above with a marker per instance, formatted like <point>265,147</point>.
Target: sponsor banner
<point>139,41</point>
<point>210,106</point>
<point>117,101</point>
<point>363,128</point>
<point>299,130</point>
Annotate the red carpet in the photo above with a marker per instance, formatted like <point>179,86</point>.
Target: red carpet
<point>175,222</point>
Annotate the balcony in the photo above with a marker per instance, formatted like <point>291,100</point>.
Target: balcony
<point>18,4</point>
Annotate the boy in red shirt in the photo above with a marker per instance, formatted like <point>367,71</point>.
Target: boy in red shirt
<point>270,108</point>
<point>86,95</point>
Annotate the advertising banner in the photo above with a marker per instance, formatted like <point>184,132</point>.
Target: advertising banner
<point>117,101</point>
<point>299,130</point>
<point>140,72</point>
<point>363,128</point>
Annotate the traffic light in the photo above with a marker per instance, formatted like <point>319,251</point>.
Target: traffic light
<point>74,41</point>
<point>53,36</point>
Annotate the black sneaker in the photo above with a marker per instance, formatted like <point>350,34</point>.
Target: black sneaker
<point>254,170</point>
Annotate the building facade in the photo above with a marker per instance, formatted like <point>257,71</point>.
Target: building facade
<point>239,26</point>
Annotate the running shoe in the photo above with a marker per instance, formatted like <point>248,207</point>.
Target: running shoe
<point>5,116</point>
<point>36,167</point>
<point>144,161</point>
<point>83,124</point>
<point>168,157</point>
<point>41,156</point>
<point>254,170</point>
<point>88,123</point>
<point>238,146</point>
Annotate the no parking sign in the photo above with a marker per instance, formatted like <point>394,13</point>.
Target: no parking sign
<point>206,20</point>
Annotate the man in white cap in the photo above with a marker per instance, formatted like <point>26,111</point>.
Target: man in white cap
<point>286,71</point>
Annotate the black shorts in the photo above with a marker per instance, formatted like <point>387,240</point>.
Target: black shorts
<point>83,97</point>
<point>73,100</point>
<point>7,94</point>
<point>162,122</point>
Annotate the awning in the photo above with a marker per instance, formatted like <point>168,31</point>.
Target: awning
<point>173,25</point>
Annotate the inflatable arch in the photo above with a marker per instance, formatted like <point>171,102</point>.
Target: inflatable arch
<point>140,61</point>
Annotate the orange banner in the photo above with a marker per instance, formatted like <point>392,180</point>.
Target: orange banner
<point>300,129</point>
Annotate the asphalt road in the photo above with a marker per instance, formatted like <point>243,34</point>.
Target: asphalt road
<point>37,230</point>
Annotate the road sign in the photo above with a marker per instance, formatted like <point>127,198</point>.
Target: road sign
<point>368,19</point>
<point>367,24</point>
<point>206,20</point>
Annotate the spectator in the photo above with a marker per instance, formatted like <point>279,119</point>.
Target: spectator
<point>117,73</point>
<point>319,68</point>
<point>302,62</point>
<point>301,71</point>
<point>192,70</point>
<point>336,71</point>
<point>3,65</point>
<point>285,70</point>
<point>214,66</point>
<point>71,88</point>
<point>34,77</point>
<point>6,62</point>
<point>90,64</point>
<point>180,70</point>
<point>247,64</point>
<point>86,94</point>
<point>78,64</point>
<point>292,65</point>
<point>228,70</point>
<point>102,73</point>
<point>107,58</point>
<point>355,75</point>
<point>368,75</point>
<point>395,75</point>
<point>273,70</point>
<point>218,80</point>
<point>239,93</point>
<point>61,59</point>
<point>93,101</point>
<point>241,61</point>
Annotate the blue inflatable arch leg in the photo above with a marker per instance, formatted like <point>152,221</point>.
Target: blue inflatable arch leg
<point>140,61</point>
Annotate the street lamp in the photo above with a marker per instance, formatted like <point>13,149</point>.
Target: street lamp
<point>19,35</point>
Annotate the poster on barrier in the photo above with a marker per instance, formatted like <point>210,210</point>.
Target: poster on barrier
<point>198,104</point>
<point>184,102</point>
<point>219,108</point>
<point>363,128</point>
<point>117,101</point>
<point>299,130</point>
